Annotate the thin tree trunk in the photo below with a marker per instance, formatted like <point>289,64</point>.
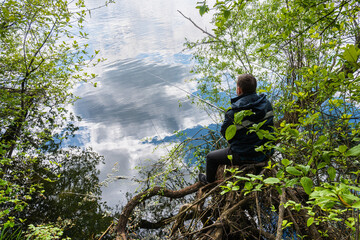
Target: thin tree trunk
<point>281,215</point>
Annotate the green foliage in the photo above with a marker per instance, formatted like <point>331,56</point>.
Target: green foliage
<point>230,132</point>
<point>251,182</point>
<point>203,8</point>
<point>44,232</point>
<point>238,118</point>
<point>11,233</point>
<point>353,152</point>
<point>43,56</point>
<point>305,55</point>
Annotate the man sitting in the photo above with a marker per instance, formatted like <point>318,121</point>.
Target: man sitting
<point>243,144</point>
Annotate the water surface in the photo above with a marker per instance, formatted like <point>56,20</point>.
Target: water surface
<point>137,97</point>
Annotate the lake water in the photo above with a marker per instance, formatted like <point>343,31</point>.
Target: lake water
<point>137,97</point>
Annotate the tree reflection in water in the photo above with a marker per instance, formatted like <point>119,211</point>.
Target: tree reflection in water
<point>74,196</point>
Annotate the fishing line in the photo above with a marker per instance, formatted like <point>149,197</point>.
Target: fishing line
<point>195,96</point>
<point>162,140</point>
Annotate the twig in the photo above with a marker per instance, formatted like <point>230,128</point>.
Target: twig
<point>298,231</point>
<point>281,216</point>
<point>215,225</point>
<point>106,230</point>
<point>204,31</point>
<point>258,212</point>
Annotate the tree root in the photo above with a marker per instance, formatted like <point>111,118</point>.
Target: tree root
<point>123,219</point>
<point>235,215</point>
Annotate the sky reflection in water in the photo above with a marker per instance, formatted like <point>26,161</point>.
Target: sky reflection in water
<point>140,39</point>
<point>132,98</point>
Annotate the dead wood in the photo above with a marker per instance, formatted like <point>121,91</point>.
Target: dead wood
<point>253,215</point>
<point>123,219</point>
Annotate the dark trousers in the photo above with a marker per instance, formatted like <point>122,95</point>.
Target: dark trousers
<point>220,157</point>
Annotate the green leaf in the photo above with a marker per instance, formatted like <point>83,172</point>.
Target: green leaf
<point>332,173</point>
<point>351,53</point>
<point>285,162</point>
<point>293,171</point>
<point>259,149</point>
<point>260,135</point>
<point>248,186</point>
<point>239,116</point>
<point>322,165</point>
<point>255,177</point>
<point>242,178</point>
<point>310,221</point>
<point>292,182</point>
<point>203,9</point>
<point>356,205</point>
<point>342,76</point>
<point>342,148</point>
<point>3,182</point>
<point>307,184</point>
<point>321,140</point>
<point>311,119</point>
<point>230,132</point>
<point>355,188</point>
<point>224,192</point>
<point>226,14</point>
<point>271,180</point>
<point>304,169</point>
<point>280,174</point>
<point>353,152</point>
<point>258,187</point>
<point>350,198</point>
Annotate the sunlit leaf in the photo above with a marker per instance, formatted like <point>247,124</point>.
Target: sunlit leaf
<point>271,180</point>
<point>230,132</point>
<point>310,221</point>
<point>351,53</point>
<point>293,171</point>
<point>356,205</point>
<point>332,173</point>
<point>307,184</point>
<point>353,152</point>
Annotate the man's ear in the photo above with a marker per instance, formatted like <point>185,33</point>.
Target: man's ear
<point>238,90</point>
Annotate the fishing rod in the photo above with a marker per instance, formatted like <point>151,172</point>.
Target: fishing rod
<point>195,96</point>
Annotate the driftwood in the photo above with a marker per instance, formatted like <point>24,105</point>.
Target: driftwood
<point>234,215</point>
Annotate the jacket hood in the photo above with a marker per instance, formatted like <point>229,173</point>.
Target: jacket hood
<point>257,103</point>
<point>247,101</point>
<point>244,142</point>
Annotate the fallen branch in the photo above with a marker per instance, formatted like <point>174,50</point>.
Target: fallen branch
<point>123,219</point>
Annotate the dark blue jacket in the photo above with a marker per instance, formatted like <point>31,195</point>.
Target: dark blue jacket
<point>243,142</point>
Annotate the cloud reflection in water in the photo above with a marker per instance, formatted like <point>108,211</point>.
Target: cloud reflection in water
<point>131,104</point>
<point>130,97</point>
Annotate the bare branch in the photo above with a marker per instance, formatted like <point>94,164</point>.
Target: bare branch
<point>204,31</point>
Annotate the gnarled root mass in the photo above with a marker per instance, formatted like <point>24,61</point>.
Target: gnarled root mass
<point>236,214</point>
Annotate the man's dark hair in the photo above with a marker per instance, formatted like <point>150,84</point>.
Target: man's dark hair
<point>247,83</point>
